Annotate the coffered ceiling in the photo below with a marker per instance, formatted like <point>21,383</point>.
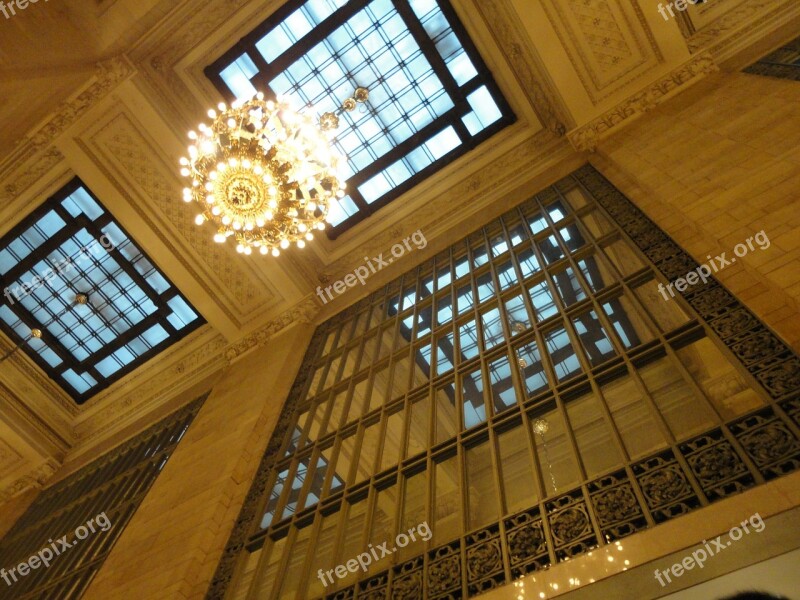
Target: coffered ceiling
<point>106,89</point>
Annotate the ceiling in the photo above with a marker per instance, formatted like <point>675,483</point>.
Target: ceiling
<point>106,90</point>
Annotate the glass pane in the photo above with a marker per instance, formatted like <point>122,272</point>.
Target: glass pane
<point>400,376</point>
<point>382,526</point>
<point>446,417</point>
<point>344,462</point>
<point>596,272</point>
<point>542,299</point>
<point>668,315</point>
<point>444,353</point>
<point>519,484</point>
<point>528,263</point>
<point>630,327</point>
<point>722,384</point>
<point>338,413</point>
<point>485,287</point>
<point>569,288</point>
<point>593,436</point>
<point>533,373</point>
<point>444,310</point>
<point>507,275</point>
<point>472,390</point>
<point>468,340</point>
<point>503,393</point>
<point>419,428</point>
<point>294,570</point>
<point>633,417</point>
<point>353,542</point>
<point>324,554</point>
<point>551,251</point>
<point>392,441</point>
<point>269,576</point>
<point>424,321</point>
<point>554,452</point>
<point>483,506</point>
<point>380,387</point>
<point>517,313</point>
<point>368,452</point>
<point>597,224</point>
<point>593,338</point>
<point>416,488</point>
<point>464,299</point>
<point>572,237</point>
<point>623,257</point>
<point>421,367</point>
<point>684,412</point>
<point>562,355</point>
<point>358,405</point>
<point>492,328</point>
<point>446,511</point>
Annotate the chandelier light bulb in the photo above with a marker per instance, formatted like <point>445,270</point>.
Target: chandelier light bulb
<point>199,220</point>
<point>192,135</point>
<point>264,250</point>
<point>185,172</point>
<point>309,236</point>
<point>212,113</point>
<point>276,252</point>
<point>219,238</point>
<point>226,220</point>
<point>284,243</point>
<point>301,244</point>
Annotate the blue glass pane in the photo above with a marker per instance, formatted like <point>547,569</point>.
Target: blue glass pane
<point>237,77</point>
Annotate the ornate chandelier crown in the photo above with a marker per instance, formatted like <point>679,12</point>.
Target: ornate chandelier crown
<point>264,174</point>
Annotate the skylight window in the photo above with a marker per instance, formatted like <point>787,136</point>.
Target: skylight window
<point>432,98</point>
<point>70,246</point>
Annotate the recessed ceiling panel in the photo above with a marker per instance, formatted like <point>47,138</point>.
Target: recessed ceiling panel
<point>81,298</point>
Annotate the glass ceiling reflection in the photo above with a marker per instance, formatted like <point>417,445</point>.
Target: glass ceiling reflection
<point>69,246</point>
<point>431,97</point>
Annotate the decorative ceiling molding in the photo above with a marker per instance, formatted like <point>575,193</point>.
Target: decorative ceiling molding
<point>587,136</point>
<point>109,75</point>
<point>34,480</point>
<point>608,42</point>
<point>24,176</point>
<point>304,311</point>
<point>508,33</point>
<point>741,25</point>
<point>149,387</point>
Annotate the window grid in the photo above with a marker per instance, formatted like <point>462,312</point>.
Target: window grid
<point>134,311</point>
<point>647,343</point>
<point>448,105</point>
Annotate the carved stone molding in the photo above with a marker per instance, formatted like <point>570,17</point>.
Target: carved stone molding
<point>34,480</point>
<point>511,37</point>
<point>109,75</point>
<point>743,21</point>
<point>22,178</point>
<point>303,312</point>
<point>608,42</point>
<point>587,136</point>
<point>150,386</point>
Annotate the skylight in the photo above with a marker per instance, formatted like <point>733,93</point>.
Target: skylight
<point>432,98</point>
<point>69,246</point>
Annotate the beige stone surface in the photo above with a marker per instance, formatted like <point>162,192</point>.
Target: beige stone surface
<point>171,547</point>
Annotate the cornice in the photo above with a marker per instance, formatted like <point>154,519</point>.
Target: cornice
<point>739,25</point>
<point>109,74</point>
<point>499,15</point>
<point>303,312</point>
<point>34,480</point>
<point>587,136</point>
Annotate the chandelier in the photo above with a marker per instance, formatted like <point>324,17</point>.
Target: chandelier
<point>263,174</point>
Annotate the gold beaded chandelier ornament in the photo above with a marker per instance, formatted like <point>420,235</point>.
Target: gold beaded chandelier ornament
<point>263,174</point>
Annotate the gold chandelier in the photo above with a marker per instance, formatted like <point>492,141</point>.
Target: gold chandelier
<point>263,174</point>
